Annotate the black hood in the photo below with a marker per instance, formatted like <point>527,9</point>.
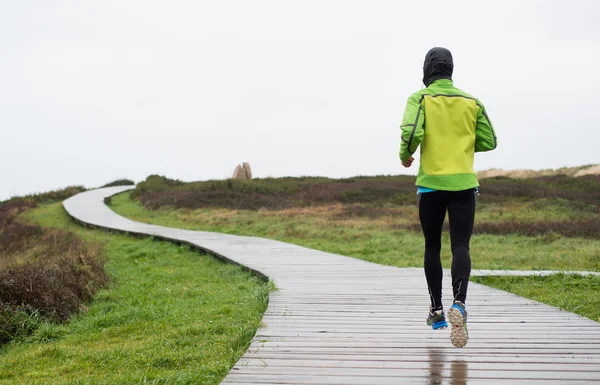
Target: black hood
<point>438,65</point>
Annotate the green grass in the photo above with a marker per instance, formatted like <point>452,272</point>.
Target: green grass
<point>376,240</point>
<point>573,293</point>
<point>170,316</point>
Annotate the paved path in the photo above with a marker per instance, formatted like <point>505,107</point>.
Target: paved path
<point>339,320</point>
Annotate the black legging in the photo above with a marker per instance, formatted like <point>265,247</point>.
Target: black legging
<point>461,214</point>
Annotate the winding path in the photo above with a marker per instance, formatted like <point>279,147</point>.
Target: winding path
<point>340,320</point>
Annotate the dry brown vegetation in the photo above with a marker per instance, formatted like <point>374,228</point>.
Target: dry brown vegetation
<point>15,236</point>
<point>558,204</point>
<point>45,274</point>
<point>382,191</point>
<point>585,228</point>
<point>524,173</point>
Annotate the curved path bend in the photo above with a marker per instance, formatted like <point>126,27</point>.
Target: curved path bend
<point>340,320</point>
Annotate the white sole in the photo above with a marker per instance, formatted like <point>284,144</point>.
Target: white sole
<point>458,335</point>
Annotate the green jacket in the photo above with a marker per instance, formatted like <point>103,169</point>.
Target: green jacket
<point>450,125</point>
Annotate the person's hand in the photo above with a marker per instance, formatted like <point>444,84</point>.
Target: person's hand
<point>409,162</point>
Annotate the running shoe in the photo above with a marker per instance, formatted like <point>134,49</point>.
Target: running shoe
<point>437,319</point>
<point>458,320</point>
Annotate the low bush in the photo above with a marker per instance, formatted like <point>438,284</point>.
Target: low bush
<point>273,194</point>
<point>582,189</point>
<point>14,235</point>
<point>278,193</point>
<point>61,276</point>
<point>155,183</point>
<point>120,182</point>
<point>44,274</point>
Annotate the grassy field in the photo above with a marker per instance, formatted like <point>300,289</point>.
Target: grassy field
<point>169,316</point>
<point>550,223</point>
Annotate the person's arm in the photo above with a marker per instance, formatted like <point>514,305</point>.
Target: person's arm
<point>412,128</point>
<point>485,137</point>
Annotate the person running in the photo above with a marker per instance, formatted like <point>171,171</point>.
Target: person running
<point>450,126</point>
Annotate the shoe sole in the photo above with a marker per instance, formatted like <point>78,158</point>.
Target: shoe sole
<point>458,336</point>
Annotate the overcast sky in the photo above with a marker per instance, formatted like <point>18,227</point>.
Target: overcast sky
<point>91,91</point>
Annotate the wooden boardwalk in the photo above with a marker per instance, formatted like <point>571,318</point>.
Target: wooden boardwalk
<point>344,321</point>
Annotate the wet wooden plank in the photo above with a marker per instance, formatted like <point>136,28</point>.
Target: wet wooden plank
<point>443,369</point>
<point>386,376</point>
<point>422,364</point>
<point>411,381</point>
<point>412,356</point>
<point>342,321</point>
<point>362,332</point>
<point>522,339</point>
<point>439,344</point>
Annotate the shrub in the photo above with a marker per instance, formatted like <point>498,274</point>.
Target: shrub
<point>120,182</point>
<point>582,189</point>
<point>61,276</point>
<point>271,193</point>
<point>275,193</point>
<point>46,274</point>
<point>15,236</point>
<point>155,183</point>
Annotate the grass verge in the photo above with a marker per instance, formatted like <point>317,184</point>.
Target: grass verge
<point>170,316</point>
<point>574,293</point>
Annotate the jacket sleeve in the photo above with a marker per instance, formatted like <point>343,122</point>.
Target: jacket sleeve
<point>412,127</point>
<point>485,137</point>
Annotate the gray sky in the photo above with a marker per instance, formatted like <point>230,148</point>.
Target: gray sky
<point>98,90</point>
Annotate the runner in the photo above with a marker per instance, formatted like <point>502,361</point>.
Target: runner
<point>450,125</point>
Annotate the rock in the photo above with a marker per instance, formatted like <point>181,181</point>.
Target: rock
<point>248,170</point>
<point>242,172</point>
<point>239,173</point>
